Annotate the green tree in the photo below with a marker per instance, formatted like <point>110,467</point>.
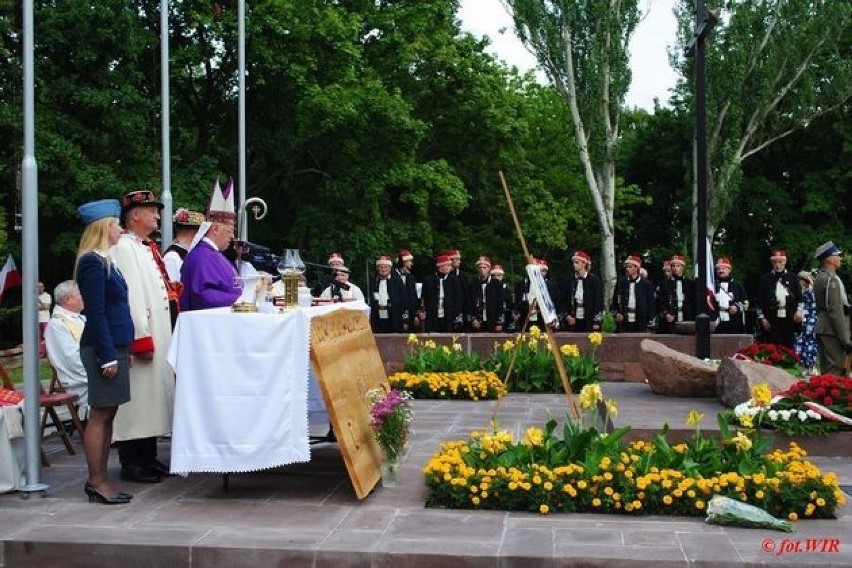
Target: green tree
<point>583,47</point>
<point>773,68</point>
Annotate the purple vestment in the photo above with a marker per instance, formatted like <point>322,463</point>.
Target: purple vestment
<point>208,279</point>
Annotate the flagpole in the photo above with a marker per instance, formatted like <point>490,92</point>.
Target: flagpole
<point>241,176</point>
<point>166,215</point>
<point>29,267</point>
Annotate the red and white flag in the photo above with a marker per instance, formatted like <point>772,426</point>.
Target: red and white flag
<point>9,276</point>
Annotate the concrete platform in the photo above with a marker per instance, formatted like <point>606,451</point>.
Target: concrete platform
<point>307,514</point>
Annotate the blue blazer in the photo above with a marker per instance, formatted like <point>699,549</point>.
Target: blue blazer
<point>105,304</point>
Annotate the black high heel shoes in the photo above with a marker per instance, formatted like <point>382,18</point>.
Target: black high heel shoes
<point>96,497</point>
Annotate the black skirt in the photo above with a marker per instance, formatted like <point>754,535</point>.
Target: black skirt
<point>106,392</point>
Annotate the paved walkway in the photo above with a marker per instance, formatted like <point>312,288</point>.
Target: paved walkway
<point>307,515</point>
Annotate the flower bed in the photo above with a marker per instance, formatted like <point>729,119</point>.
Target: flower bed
<point>428,357</point>
<point>465,385</point>
<point>585,471</point>
<point>533,368</point>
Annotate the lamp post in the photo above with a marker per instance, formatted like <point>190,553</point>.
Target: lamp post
<point>704,22</point>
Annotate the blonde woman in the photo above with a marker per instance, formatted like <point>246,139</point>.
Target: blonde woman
<point>105,340</point>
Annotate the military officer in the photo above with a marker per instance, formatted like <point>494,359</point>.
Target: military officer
<point>582,294</point>
<point>633,299</point>
<point>675,297</point>
<point>832,327</point>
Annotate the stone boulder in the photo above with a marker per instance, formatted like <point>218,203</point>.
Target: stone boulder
<point>736,377</point>
<point>672,373</point>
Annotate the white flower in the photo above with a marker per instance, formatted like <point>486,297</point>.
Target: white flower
<point>803,415</point>
<point>785,414</point>
<point>814,415</point>
<point>773,415</point>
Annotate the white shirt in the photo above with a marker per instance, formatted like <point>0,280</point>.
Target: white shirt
<point>62,339</point>
<point>44,313</point>
<point>173,262</point>
<point>354,293</point>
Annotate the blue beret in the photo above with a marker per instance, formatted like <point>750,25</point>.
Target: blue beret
<point>826,250</point>
<point>94,210</point>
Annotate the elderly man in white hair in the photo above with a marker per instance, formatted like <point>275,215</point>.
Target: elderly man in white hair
<point>62,339</point>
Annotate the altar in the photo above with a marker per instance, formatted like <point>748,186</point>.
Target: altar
<point>242,386</point>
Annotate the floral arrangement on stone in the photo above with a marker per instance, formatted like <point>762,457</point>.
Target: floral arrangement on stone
<point>429,357</point>
<point>585,470</point>
<point>773,355</point>
<point>533,368</point>
<point>818,406</point>
<point>465,385</point>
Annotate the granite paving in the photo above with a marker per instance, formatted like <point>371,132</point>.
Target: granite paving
<point>308,515</point>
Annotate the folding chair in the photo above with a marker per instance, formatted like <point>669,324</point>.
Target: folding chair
<point>49,402</point>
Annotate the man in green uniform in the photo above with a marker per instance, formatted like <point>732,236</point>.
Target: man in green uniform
<point>832,328</point>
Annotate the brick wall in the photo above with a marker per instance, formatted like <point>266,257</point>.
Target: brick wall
<point>619,353</point>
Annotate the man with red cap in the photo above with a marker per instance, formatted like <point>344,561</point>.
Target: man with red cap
<point>388,300</point>
<point>455,261</point>
<point>486,299</point>
<point>675,297</point>
<point>404,262</point>
<point>779,302</point>
<point>497,273</point>
<point>729,300</point>
<point>335,261</point>
<point>582,297</point>
<point>633,299</point>
<point>442,298</point>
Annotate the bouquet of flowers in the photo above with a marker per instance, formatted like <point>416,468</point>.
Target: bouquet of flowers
<point>773,355</point>
<point>818,406</point>
<point>390,417</point>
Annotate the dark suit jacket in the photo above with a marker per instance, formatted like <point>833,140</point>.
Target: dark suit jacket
<point>453,303</point>
<point>107,311</point>
<point>667,302</point>
<point>645,303</point>
<point>593,303</point>
<point>767,304</point>
<point>491,303</point>
<point>397,302</point>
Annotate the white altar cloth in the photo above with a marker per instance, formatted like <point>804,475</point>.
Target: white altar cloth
<point>12,459</point>
<point>241,396</point>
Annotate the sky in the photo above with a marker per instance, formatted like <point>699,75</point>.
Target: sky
<point>652,74</point>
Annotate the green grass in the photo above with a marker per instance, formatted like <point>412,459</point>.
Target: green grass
<point>44,373</point>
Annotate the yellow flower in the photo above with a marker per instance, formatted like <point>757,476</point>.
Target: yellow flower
<point>457,347</point>
<point>761,395</point>
<point>667,499</point>
<point>412,339</point>
<point>429,344</point>
<point>699,504</point>
<point>694,418</point>
<point>508,345</point>
<point>445,349</point>
<point>793,517</point>
<point>595,338</point>
<point>747,421</point>
<point>535,332</point>
<point>590,396</point>
<point>570,350</point>
<point>596,502</point>
<point>611,408</point>
<point>533,437</point>
<point>544,509</point>
<point>742,442</point>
